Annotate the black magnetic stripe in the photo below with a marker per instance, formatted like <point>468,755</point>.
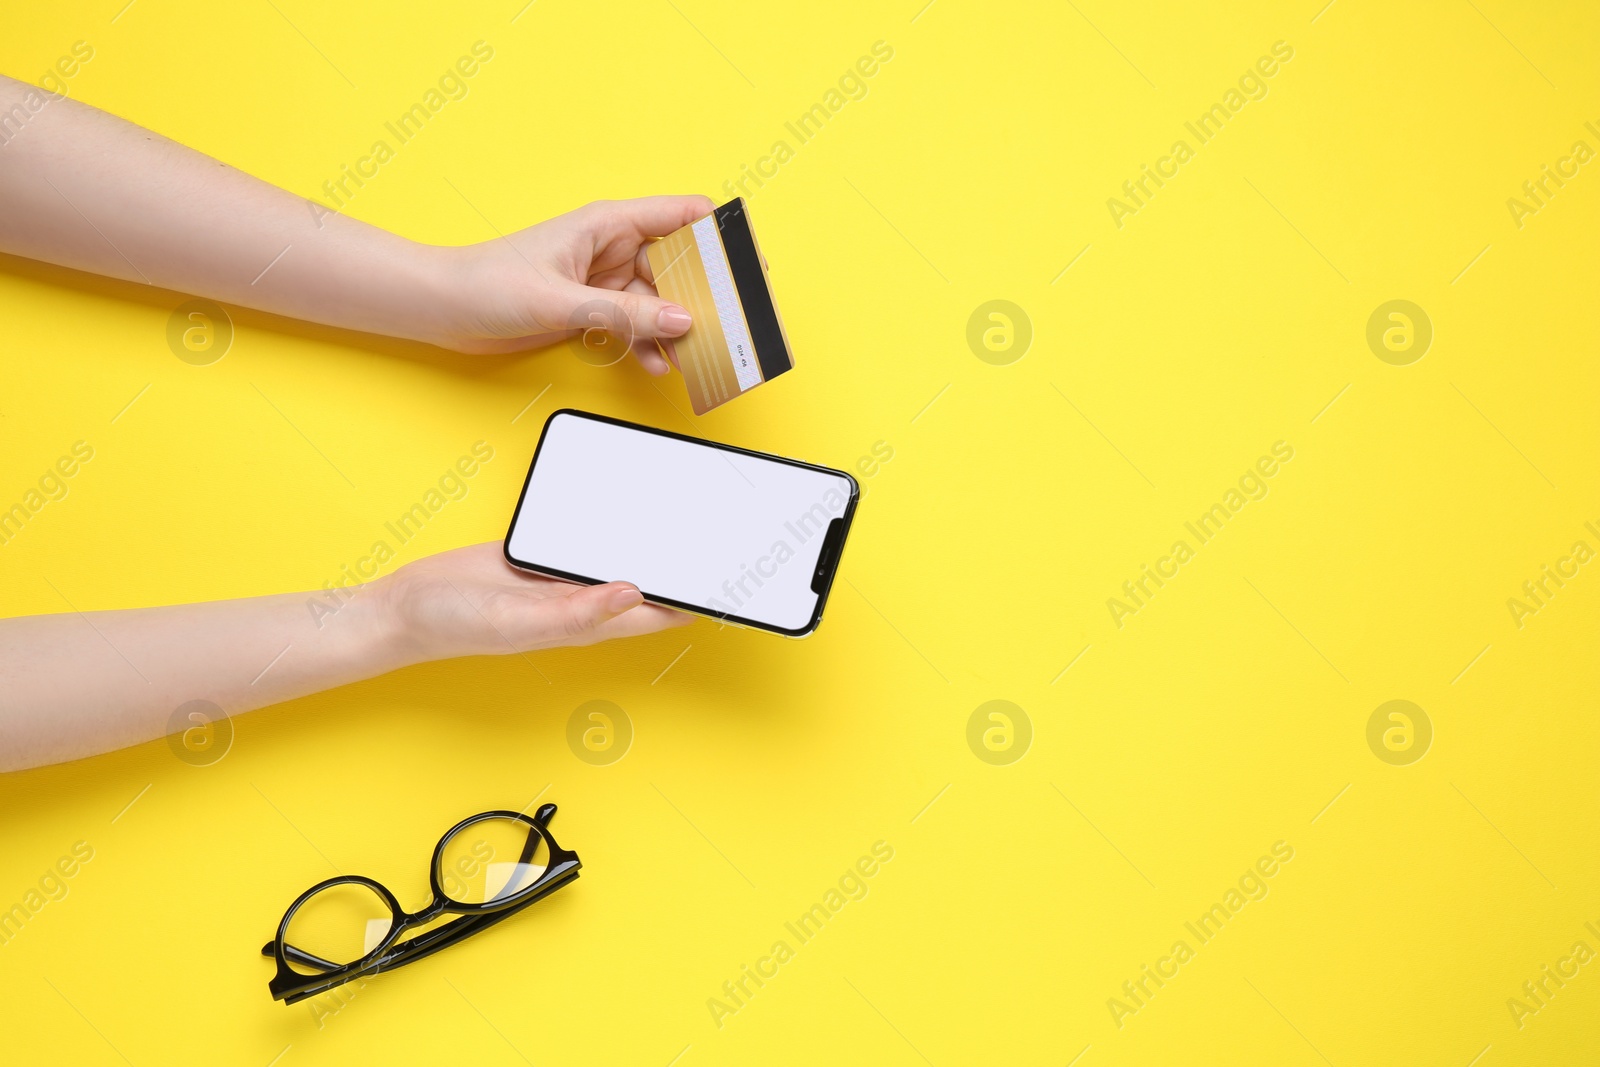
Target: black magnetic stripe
<point>759,313</point>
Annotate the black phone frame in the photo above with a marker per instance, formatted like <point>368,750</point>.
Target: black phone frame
<point>834,539</point>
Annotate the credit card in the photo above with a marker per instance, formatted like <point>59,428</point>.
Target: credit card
<point>713,268</point>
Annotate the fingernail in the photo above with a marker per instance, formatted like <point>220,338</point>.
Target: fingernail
<point>623,598</point>
<point>672,320</point>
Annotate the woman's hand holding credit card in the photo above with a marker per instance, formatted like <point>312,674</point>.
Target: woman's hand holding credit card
<point>714,268</point>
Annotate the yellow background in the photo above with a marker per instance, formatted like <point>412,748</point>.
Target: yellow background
<point>1221,318</point>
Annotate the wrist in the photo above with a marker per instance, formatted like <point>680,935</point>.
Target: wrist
<point>380,640</point>
<point>433,301</point>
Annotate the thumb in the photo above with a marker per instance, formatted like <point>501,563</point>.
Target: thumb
<point>627,314</point>
<point>582,610</point>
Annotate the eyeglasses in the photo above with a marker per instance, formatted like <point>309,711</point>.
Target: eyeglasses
<point>485,869</point>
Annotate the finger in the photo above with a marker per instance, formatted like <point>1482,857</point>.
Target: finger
<point>645,273</point>
<point>647,315</point>
<point>651,360</point>
<point>572,617</point>
<point>644,619</point>
<point>670,350</point>
<point>657,216</point>
<point>666,345</point>
<point>646,350</point>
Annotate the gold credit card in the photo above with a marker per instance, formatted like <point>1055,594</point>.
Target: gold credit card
<point>714,269</point>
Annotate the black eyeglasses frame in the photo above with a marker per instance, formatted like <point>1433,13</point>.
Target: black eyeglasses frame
<point>291,986</point>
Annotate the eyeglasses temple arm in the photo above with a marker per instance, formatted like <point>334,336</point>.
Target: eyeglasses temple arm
<point>443,937</point>
<point>305,959</point>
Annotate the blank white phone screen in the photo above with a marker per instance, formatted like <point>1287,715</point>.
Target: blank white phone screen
<point>725,532</point>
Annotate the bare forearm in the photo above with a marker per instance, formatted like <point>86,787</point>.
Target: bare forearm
<point>88,190</point>
<point>85,189</point>
<point>78,684</point>
<point>74,685</point>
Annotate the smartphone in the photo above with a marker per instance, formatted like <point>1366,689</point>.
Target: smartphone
<point>745,537</point>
